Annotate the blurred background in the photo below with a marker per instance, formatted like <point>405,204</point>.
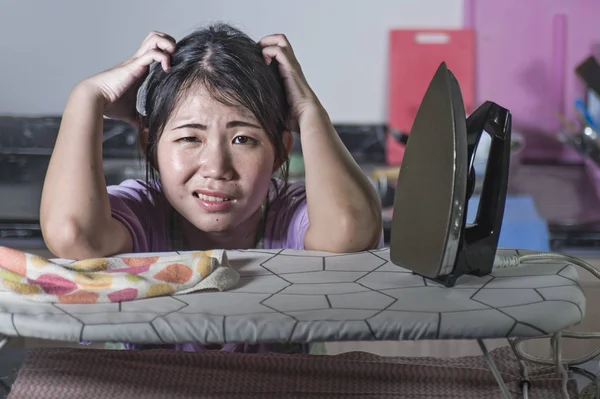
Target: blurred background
<point>368,61</point>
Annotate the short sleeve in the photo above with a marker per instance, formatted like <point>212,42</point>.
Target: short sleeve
<point>140,211</point>
<point>287,219</point>
<point>298,226</point>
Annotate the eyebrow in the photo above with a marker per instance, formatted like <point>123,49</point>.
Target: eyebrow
<point>228,126</point>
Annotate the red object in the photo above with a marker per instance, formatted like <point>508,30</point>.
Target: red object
<point>414,57</point>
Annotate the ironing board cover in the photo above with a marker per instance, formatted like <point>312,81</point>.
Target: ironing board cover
<point>303,296</point>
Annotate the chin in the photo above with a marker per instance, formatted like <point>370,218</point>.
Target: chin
<point>216,223</point>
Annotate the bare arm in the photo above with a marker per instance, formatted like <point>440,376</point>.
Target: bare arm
<point>343,207</point>
<point>75,213</point>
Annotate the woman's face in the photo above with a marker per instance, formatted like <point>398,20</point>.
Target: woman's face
<point>215,162</point>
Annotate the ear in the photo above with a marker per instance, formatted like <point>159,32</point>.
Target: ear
<point>288,143</point>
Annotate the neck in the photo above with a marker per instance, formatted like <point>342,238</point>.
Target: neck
<point>242,237</point>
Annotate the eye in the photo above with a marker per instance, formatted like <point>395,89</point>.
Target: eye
<point>190,139</point>
<point>244,140</point>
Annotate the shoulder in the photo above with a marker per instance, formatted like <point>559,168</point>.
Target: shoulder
<point>136,197</point>
<point>135,190</point>
<point>138,194</point>
<point>287,218</point>
<point>281,194</point>
<point>142,209</point>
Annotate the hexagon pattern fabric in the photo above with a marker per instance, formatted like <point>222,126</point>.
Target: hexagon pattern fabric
<point>117,279</point>
<point>304,296</point>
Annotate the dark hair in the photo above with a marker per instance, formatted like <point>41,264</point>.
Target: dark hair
<point>230,66</point>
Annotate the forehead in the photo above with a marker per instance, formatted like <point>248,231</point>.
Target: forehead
<point>198,101</point>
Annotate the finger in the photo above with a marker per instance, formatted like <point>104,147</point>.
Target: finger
<point>165,44</point>
<point>156,40</point>
<point>278,53</point>
<point>275,40</point>
<point>156,33</point>
<point>144,46</point>
<point>154,55</point>
<point>167,36</point>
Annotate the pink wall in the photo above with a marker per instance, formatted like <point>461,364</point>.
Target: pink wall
<point>527,51</point>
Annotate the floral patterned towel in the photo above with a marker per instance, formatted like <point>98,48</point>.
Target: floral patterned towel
<point>113,279</point>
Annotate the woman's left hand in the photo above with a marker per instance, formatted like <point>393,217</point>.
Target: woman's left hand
<point>300,96</point>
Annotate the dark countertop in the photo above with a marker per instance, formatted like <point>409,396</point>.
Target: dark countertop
<point>565,195</point>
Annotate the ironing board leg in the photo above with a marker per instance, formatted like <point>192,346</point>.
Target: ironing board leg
<point>494,369</point>
<point>525,384</point>
<point>3,341</point>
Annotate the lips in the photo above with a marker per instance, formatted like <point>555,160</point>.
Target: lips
<point>211,198</point>
<point>214,201</point>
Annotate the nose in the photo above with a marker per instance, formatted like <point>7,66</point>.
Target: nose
<point>216,161</point>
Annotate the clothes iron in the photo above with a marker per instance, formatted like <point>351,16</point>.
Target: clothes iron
<point>429,234</point>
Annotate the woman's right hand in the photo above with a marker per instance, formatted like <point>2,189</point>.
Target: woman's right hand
<point>118,86</point>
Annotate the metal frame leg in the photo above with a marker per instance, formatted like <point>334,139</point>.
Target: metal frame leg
<point>555,341</point>
<point>3,341</point>
<point>555,345</point>
<point>494,369</point>
<point>3,385</point>
<point>525,383</point>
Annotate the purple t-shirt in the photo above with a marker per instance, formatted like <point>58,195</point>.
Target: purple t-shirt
<point>146,216</point>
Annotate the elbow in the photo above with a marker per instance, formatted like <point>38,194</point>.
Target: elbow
<point>359,234</point>
<point>350,234</point>
<point>362,228</point>
<point>67,240</point>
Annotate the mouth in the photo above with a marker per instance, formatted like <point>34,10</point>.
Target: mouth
<point>212,197</point>
<point>214,201</point>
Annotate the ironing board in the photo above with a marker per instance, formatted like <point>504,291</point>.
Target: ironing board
<point>306,296</point>
<point>303,296</point>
